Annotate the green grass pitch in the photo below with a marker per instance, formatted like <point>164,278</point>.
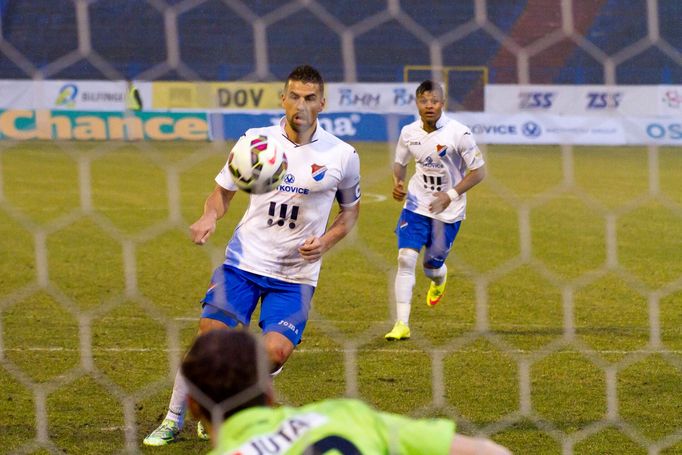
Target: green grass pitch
<point>560,332</point>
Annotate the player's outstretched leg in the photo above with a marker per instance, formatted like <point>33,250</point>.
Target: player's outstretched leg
<point>171,426</point>
<point>437,287</point>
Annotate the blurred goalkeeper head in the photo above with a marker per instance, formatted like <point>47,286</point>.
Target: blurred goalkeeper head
<point>227,371</point>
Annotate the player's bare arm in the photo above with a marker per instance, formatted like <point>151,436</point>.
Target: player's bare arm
<point>399,172</point>
<point>465,445</point>
<point>215,207</point>
<point>443,198</point>
<point>314,247</point>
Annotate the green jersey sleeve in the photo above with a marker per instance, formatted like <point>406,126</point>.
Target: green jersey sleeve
<point>409,436</point>
<point>335,426</point>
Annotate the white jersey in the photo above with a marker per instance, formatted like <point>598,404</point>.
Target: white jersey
<point>442,159</point>
<point>276,224</point>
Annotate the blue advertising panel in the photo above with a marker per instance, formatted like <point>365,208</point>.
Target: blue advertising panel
<point>346,126</point>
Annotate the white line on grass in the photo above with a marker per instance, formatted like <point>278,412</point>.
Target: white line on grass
<point>372,197</point>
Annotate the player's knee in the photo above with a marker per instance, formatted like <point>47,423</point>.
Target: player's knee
<point>277,358</point>
<point>434,257</point>
<point>433,262</point>
<point>207,324</point>
<point>407,258</point>
<point>279,348</point>
<point>278,355</point>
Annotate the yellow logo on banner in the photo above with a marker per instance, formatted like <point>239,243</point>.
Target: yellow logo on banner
<point>216,95</point>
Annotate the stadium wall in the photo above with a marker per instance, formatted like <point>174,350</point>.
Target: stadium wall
<point>520,41</point>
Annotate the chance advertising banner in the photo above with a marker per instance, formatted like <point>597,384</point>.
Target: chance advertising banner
<point>87,126</point>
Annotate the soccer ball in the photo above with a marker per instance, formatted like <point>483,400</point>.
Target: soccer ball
<point>257,164</point>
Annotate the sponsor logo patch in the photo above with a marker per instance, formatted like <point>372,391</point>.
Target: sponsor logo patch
<point>531,129</point>
<point>67,96</point>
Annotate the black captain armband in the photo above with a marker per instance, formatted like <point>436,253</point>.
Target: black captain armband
<point>347,196</point>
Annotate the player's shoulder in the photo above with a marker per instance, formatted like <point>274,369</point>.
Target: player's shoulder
<point>452,124</point>
<point>412,128</point>
<point>330,141</point>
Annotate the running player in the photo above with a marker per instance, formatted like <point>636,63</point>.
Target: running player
<point>274,254</point>
<point>448,163</point>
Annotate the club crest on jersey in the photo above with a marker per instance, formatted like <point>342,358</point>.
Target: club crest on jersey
<point>318,171</point>
<point>441,150</point>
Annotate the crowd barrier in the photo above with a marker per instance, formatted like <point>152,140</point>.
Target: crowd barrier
<point>97,110</point>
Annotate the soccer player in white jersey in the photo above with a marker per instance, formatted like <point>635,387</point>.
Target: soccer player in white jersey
<point>274,254</point>
<point>447,164</point>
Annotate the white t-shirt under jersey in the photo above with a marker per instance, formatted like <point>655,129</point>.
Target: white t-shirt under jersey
<point>442,159</point>
<point>276,224</point>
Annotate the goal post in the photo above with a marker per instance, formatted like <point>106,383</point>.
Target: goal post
<point>464,85</point>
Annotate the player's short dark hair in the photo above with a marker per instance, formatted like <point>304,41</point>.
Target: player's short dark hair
<point>429,86</point>
<point>306,74</point>
<point>228,367</point>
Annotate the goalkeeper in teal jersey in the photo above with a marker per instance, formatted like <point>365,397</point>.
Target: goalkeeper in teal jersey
<point>230,389</point>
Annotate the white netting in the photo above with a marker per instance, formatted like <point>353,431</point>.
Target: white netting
<point>347,34</point>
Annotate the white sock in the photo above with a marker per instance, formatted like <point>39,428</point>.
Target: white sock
<point>178,401</point>
<point>437,275</point>
<point>404,282</point>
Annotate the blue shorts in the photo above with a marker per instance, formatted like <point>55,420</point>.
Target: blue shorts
<point>233,295</point>
<point>416,231</point>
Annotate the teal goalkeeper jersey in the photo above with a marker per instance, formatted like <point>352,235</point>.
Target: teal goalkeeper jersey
<point>341,426</point>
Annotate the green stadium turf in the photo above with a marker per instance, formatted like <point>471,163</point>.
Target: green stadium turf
<point>561,327</point>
